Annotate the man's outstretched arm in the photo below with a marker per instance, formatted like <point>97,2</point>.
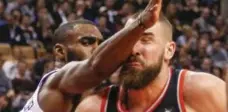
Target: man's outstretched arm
<point>80,76</point>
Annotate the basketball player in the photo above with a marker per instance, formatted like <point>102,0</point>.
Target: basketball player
<point>226,79</point>
<point>149,84</point>
<point>76,41</point>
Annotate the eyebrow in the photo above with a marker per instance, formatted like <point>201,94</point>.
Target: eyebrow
<point>88,37</point>
<point>148,33</point>
<point>98,38</point>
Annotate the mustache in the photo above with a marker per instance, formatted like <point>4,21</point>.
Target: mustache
<point>134,58</point>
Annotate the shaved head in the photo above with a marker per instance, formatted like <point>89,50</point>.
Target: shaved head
<point>167,30</point>
<point>75,40</point>
<point>62,31</point>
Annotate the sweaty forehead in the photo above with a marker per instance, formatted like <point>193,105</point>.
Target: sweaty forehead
<point>82,30</point>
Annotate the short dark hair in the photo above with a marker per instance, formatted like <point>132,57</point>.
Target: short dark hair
<point>60,32</point>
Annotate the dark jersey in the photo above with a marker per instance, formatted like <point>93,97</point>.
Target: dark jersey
<point>170,99</point>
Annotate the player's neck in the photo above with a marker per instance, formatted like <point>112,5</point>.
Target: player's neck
<point>59,64</point>
<point>145,97</point>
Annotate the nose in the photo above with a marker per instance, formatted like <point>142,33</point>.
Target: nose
<point>136,49</point>
<point>94,48</point>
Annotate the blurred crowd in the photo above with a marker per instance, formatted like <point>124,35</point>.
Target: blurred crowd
<point>200,32</point>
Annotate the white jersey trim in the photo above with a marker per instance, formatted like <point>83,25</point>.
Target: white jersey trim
<point>32,104</point>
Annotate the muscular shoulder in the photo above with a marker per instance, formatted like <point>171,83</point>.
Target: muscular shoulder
<point>54,81</point>
<point>204,91</point>
<point>90,104</point>
<point>202,81</point>
<point>93,102</point>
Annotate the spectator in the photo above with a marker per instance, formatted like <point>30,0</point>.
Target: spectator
<point>189,13</point>
<point>206,65</point>
<point>23,86</point>
<point>6,90</point>
<point>80,8</point>
<point>44,27</point>
<point>218,72</point>
<point>225,37</point>
<point>218,54</point>
<point>184,60</point>
<point>3,98</point>
<point>171,11</point>
<point>220,27</point>
<point>17,16</point>
<point>72,16</point>
<point>111,13</point>
<point>4,81</point>
<point>61,13</point>
<point>22,5</point>
<point>91,10</point>
<point>201,51</point>
<point>2,9</point>
<point>25,33</point>
<point>202,24</point>
<point>126,12</point>
<point>187,39</point>
<point>10,66</point>
<point>102,25</point>
<point>41,66</point>
<point>8,30</point>
<point>22,71</point>
<point>140,4</point>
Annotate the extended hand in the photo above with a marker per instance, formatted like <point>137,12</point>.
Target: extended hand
<point>151,13</point>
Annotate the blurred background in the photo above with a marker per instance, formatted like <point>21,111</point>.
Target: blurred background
<point>27,26</point>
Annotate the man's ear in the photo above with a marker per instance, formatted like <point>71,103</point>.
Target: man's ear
<point>59,52</point>
<point>170,50</point>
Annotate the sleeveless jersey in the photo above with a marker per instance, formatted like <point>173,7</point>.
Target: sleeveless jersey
<point>32,104</point>
<point>170,99</point>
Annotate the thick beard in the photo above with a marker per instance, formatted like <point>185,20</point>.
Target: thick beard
<point>138,79</point>
<point>75,56</point>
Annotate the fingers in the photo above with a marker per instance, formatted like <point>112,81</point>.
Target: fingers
<point>154,7</point>
<point>159,2</point>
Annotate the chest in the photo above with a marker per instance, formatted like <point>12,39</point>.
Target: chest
<point>170,100</point>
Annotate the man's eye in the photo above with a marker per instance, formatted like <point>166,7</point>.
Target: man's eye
<point>88,40</point>
<point>146,39</point>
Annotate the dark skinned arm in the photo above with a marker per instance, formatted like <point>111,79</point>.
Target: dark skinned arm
<point>80,76</point>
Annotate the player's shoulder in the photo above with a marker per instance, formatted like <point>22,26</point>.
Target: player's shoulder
<point>201,80</point>
<point>201,86</point>
<point>93,102</point>
<point>204,92</point>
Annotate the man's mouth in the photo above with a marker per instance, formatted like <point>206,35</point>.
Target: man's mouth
<point>134,64</point>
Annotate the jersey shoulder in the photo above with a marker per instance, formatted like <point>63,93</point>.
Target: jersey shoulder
<point>32,104</point>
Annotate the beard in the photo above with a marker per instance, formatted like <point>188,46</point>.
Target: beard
<point>132,78</point>
<point>77,55</point>
<point>71,56</point>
